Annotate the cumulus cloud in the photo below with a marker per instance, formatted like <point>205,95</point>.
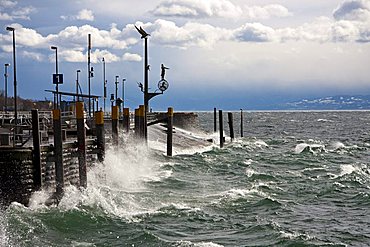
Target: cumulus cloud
<point>83,15</point>
<point>35,56</point>
<point>197,8</point>
<point>353,10</point>
<point>86,15</point>
<point>255,32</point>
<point>9,11</point>
<point>190,34</point>
<point>266,12</point>
<point>131,57</point>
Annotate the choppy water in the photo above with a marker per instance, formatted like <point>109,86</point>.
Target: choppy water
<point>295,179</point>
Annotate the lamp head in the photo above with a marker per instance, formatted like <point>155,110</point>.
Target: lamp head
<point>7,64</point>
<point>53,47</point>
<point>78,71</point>
<point>10,28</point>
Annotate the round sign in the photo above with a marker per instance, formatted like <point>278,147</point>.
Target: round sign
<point>163,85</point>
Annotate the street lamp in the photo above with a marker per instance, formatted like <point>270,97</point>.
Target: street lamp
<point>6,87</point>
<point>123,93</point>
<point>77,84</point>
<point>56,97</point>
<point>104,83</point>
<point>116,82</point>
<point>12,29</point>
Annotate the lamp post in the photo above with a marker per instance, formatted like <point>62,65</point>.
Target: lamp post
<point>6,87</point>
<point>123,93</point>
<point>77,84</point>
<point>11,29</point>
<point>116,82</point>
<point>89,70</point>
<point>104,83</point>
<point>56,103</point>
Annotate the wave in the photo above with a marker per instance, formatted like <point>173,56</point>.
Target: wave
<point>200,244</point>
<point>309,148</point>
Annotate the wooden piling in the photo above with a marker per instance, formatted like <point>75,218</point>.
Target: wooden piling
<point>169,130</point>
<point>221,124</point>
<point>37,175</point>
<point>115,114</point>
<point>81,140</point>
<point>241,123</point>
<point>136,120</point>
<point>214,120</point>
<point>100,139</point>
<point>231,125</point>
<point>126,119</point>
<point>58,153</point>
<point>142,124</point>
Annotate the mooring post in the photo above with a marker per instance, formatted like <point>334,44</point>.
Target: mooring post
<point>100,140</point>
<point>115,114</point>
<point>241,123</point>
<point>136,120</point>
<point>142,124</point>
<point>81,140</point>
<point>58,152</point>
<point>126,119</point>
<point>221,124</point>
<point>214,120</point>
<point>37,175</point>
<point>169,130</point>
<point>231,125</point>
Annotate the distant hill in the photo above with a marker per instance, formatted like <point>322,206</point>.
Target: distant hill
<point>341,102</point>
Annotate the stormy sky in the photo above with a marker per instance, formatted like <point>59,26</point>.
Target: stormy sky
<point>221,53</point>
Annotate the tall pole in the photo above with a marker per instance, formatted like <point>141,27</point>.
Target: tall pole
<point>241,123</point>
<point>77,84</point>
<point>56,74</point>
<point>146,76</point>
<point>15,82</point>
<point>116,82</point>
<point>6,87</point>
<point>104,83</point>
<point>89,71</point>
<point>123,93</point>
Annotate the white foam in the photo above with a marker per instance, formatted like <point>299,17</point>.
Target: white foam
<point>200,244</point>
<point>347,169</point>
<point>248,162</point>
<point>313,148</point>
<point>249,172</point>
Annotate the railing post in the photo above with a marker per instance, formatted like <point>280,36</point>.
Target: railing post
<point>126,119</point>
<point>231,125</point>
<point>58,153</point>
<point>169,130</point>
<point>100,139</point>
<point>115,114</point>
<point>37,176</point>
<point>81,140</point>
<point>221,124</point>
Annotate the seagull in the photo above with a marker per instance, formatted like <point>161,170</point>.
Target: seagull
<point>142,32</point>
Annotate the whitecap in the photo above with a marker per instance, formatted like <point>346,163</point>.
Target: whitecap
<point>182,243</point>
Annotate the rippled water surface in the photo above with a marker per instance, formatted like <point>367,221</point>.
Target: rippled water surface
<point>295,179</point>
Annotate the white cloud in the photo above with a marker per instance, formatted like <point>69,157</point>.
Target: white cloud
<point>79,56</point>
<point>131,57</point>
<point>266,12</point>
<point>86,15</point>
<point>35,56</point>
<point>190,34</point>
<point>353,10</point>
<point>8,3</point>
<point>255,32</point>
<point>83,15</point>
<point>197,8</point>
<point>10,11</point>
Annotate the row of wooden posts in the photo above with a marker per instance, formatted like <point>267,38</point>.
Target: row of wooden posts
<point>230,122</point>
<point>140,134</point>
